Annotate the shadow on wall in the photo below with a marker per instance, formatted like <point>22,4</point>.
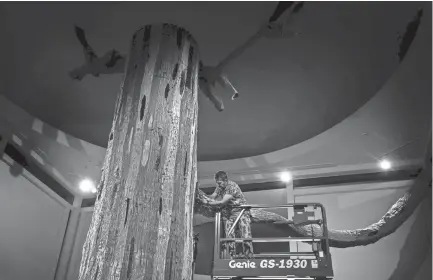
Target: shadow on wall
<point>20,149</point>
<point>20,161</point>
<point>33,143</point>
<point>26,147</point>
<point>28,132</point>
<point>409,35</point>
<point>408,265</point>
<point>72,142</point>
<point>51,149</point>
<point>37,169</point>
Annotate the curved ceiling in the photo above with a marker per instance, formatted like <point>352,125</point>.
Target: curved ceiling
<point>291,89</point>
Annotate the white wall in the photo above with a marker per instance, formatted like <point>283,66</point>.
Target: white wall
<point>397,257</point>
<point>32,224</point>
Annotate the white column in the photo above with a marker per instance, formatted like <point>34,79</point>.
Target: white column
<point>290,197</point>
<point>69,240</point>
<point>290,211</point>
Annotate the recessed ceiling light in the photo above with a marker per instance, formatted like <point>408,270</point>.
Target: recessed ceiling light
<point>385,164</point>
<point>87,186</point>
<point>286,177</point>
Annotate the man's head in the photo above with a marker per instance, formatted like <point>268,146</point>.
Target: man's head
<point>221,179</point>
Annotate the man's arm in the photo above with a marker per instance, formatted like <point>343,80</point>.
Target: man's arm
<point>223,201</point>
<point>214,195</point>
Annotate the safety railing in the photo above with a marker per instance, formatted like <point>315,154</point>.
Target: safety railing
<point>301,217</point>
<point>313,260</point>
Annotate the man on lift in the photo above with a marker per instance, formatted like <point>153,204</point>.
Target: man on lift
<point>228,194</point>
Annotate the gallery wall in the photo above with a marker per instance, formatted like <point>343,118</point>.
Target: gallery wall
<point>398,256</point>
<point>33,221</point>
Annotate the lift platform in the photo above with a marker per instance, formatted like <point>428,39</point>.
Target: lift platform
<point>297,257</point>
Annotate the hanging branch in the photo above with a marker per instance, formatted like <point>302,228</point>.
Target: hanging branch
<point>274,28</point>
<point>110,63</point>
<point>113,62</point>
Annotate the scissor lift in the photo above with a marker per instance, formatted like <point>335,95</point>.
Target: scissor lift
<point>314,262</point>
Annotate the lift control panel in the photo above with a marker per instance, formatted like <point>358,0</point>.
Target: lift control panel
<point>295,258</point>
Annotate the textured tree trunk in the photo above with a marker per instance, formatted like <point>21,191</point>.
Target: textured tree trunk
<point>142,223</point>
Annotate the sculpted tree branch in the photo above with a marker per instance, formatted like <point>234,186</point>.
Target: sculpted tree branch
<point>110,63</point>
<point>274,28</point>
<point>113,62</point>
<point>402,209</point>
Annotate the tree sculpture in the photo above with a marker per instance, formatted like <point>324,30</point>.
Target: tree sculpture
<point>142,222</point>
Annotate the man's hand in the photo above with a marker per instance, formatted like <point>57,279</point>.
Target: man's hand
<point>224,201</point>
<point>214,203</point>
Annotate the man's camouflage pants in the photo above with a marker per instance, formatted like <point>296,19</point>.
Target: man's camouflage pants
<point>241,230</point>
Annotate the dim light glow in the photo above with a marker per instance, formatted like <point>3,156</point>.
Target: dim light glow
<point>286,177</point>
<point>87,186</point>
<point>385,164</point>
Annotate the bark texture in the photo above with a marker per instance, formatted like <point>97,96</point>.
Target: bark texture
<point>142,221</point>
<point>389,223</point>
